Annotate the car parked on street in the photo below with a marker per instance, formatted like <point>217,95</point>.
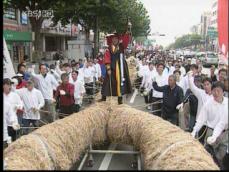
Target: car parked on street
<point>200,56</point>
<point>210,58</point>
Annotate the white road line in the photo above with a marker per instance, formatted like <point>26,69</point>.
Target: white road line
<point>134,95</point>
<point>107,159</point>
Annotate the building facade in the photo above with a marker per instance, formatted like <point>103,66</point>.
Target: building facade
<point>213,26</point>
<point>18,35</point>
<point>205,22</point>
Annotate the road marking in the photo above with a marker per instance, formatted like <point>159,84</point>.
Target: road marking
<point>107,159</point>
<point>134,95</point>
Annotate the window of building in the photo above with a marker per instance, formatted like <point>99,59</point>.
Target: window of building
<point>10,13</point>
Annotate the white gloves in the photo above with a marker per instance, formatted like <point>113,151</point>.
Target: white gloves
<point>16,126</point>
<point>145,93</point>
<point>180,106</point>
<point>211,140</point>
<point>193,134</point>
<point>62,92</point>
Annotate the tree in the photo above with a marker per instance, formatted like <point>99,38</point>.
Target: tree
<point>186,40</point>
<point>104,16</point>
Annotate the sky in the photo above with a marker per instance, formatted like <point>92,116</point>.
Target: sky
<point>174,18</point>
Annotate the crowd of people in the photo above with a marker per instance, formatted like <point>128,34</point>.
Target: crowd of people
<point>177,90</point>
<point>168,85</point>
<point>57,90</point>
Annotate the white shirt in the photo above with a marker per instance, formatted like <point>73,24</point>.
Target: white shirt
<point>185,84</point>
<point>80,75</point>
<point>215,115</point>
<point>16,103</point>
<point>142,70</point>
<point>201,95</point>
<point>93,70</point>
<point>168,70</point>
<point>56,75</point>
<point>79,90</point>
<point>57,78</point>
<point>9,118</point>
<point>182,70</point>
<point>161,81</point>
<point>181,84</point>
<point>57,69</point>
<point>88,74</point>
<point>147,79</point>
<point>31,99</point>
<point>46,85</point>
<point>98,71</point>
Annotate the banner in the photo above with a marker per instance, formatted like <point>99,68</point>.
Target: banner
<point>223,27</point>
<point>8,69</point>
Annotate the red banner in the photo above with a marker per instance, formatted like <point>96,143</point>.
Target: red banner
<point>223,26</point>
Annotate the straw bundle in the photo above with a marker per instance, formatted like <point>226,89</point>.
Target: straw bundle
<point>132,68</point>
<point>163,145</point>
<point>59,145</point>
<point>66,139</point>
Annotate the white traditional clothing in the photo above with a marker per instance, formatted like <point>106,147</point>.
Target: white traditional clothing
<point>201,95</point>
<point>214,115</point>
<point>161,81</point>
<point>98,73</point>
<point>31,99</point>
<point>16,103</point>
<point>89,73</point>
<point>147,79</point>
<point>46,84</point>
<point>9,118</point>
<point>142,70</point>
<point>79,90</point>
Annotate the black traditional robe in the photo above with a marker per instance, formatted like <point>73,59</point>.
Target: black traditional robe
<point>116,82</point>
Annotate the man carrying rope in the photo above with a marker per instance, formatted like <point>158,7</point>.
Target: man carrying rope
<point>214,114</point>
<point>117,81</point>
<point>33,101</point>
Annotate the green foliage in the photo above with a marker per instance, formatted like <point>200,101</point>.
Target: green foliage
<point>186,40</point>
<point>112,15</point>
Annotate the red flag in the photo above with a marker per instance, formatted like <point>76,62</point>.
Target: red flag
<point>223,26</point>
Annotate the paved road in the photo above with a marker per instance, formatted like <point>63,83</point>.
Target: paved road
<point>117,161</point>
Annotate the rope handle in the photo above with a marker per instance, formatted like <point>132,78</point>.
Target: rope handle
<point>202,134</point>
<point>174,145</point>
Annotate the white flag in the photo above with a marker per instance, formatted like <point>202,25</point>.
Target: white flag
<point>8,69</point>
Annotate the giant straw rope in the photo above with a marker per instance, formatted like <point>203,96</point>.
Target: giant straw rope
<point>59,145</point>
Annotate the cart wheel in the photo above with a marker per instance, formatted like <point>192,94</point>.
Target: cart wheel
<point>134,165</point>
<point>90,163</point>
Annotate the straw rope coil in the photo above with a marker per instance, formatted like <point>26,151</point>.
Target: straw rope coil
<point>60,144</point>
